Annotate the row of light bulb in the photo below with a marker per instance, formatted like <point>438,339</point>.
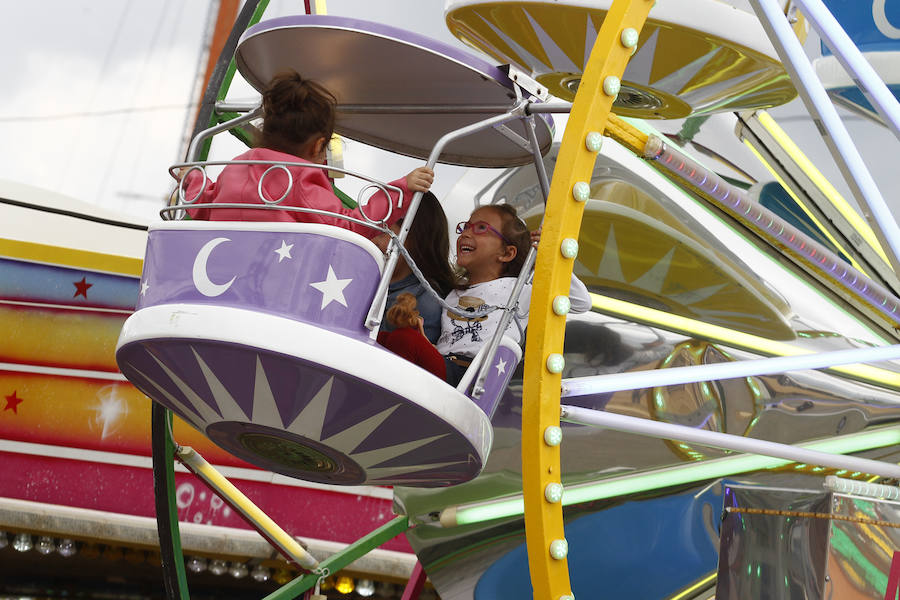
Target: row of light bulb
<point>238,570</point>
<point>24,542</point>
<point>341,584</point>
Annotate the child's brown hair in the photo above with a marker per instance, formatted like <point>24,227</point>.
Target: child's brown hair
<point>516,231</point>
<point>294,111</point>
<point>404,312</point>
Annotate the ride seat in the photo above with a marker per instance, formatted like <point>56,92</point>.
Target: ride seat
<point>503,364</point>
<point>254,334</point>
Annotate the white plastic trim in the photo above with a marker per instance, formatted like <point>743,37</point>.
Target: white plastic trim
<point>272,333</point>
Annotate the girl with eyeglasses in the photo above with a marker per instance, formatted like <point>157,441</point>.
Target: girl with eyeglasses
<point>491,249</point>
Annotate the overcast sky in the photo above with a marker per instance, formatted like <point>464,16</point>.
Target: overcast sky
<point>96,97</point>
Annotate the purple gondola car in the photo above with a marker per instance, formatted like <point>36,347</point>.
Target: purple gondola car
<point>254,332</point>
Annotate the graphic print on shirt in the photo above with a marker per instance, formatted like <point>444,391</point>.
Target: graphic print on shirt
<point>467,326</point>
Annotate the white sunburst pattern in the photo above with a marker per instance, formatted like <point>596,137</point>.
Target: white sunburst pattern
<point>383,464</point>
<point>654,281</point>
<point>716,71</point>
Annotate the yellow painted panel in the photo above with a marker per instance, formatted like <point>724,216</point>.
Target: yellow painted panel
<point>82,259</point>
<point>76,339</point>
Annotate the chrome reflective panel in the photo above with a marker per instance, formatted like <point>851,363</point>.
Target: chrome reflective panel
<point>843,552</point>
<point>646,242</point>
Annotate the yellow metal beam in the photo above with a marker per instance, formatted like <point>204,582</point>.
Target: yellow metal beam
<point>275,535</point>
<point>545,537</point>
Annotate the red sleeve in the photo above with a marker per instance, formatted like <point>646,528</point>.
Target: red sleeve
<point>313,190</point>
<point>414,347</point>
<point>379,203</point>
<point>193,181</point>
<point>429,358</point>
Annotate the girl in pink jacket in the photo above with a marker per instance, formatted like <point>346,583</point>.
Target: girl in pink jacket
<point>298,122</point>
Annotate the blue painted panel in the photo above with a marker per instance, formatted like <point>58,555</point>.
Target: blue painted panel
<point>873,25</point>
<point>640,549</point>
<point>35,282</point>
<point>854,95</point>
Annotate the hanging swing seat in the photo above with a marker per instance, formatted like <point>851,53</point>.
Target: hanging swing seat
<point>252,333</point>
<point>255,332</point>
<point>691,57</point>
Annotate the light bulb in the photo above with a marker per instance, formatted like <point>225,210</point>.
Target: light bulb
<point>4,540</point>
<point>196,564</point>
<point>260,573</point>
<point>553,436</point>
<point>553,492</point>
<point>569,248</point>
<point>238,570</point>
<point>581,191</point>
<point>365,587</point>
<point>561,305</point>
<point>344,585</point>
<point>630,37</point>
<point>559,549</point>
<point>556,363</point>
<point>612,85</point>
<point>45,545</point>
<point>594,141</point>
<point>282,576</point>
<point>22,543</point>
<point>67,547</point>
<point>218,567</point>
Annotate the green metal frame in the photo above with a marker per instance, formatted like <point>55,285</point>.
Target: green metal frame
<point>339,560</point>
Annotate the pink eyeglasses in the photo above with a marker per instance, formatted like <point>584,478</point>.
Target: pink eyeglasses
<point>480,228</point>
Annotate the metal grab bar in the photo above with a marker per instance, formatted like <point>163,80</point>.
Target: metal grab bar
<point>373,320</point>
<point>829,124</point>
<point>383,187</point>
<point>727,441</point>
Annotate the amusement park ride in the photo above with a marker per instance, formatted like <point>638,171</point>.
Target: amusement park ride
<point>673,443</point>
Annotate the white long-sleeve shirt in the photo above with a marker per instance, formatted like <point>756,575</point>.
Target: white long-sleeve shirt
<point>465,335</point>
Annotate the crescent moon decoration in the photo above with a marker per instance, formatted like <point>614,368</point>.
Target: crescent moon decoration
<point>201,278</point>
<point>881,21</point>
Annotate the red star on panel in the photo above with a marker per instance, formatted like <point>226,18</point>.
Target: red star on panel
<point>12,402</point>
<point>81,287</point>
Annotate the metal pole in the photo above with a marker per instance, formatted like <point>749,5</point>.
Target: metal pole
<point>174,575</point>
<point>830,126</point>
<point>538,158</point>
<point>421,109</point>
<point>260,521</point>
<point>505,318</point>
<point>391,109</point>
<point>373,319</point>
<point>341,559</point>
<point>524,274</point>
<point>549,107</point>
<point>726,441</point>
<point>853,61</point>
<point>195,147</point>
<point>600,384</point>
